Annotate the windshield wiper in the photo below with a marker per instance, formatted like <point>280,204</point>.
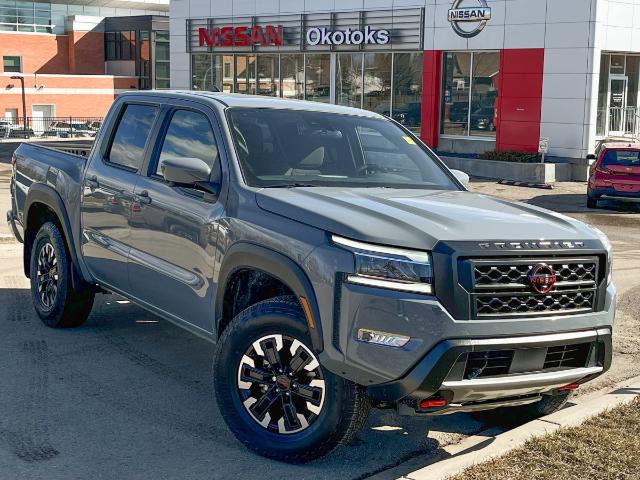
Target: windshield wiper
<point>290,185</point>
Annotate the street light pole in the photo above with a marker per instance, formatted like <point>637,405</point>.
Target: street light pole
<point>24,104</point>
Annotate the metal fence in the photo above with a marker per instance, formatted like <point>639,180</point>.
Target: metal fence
<point>49,127</point>
<point>618,121</point>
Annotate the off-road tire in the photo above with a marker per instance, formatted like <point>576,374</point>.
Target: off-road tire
<point>342,414</point>
<point>67,308</point>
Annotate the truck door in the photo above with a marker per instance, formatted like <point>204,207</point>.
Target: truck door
<point>174,229</point>
<point>107,195</point>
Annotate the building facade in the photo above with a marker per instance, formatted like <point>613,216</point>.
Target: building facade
<point>468,75</point>
<point>71,60</point>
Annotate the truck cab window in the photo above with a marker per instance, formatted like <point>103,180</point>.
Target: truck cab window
<point>189,136</point>
<point>127,148</point>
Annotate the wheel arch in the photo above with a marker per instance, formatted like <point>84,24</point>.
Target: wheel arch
<point>43,196</point>
<point>248,256</point>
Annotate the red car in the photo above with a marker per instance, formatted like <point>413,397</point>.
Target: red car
<point>615,174</point>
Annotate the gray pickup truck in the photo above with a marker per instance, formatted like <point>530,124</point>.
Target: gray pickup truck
<point>334,259</point>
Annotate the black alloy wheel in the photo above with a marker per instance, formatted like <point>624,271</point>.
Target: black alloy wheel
<point>281,384</point>
<point>47,278</point>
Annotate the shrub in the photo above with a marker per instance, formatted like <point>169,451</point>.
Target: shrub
<point>511,156</point>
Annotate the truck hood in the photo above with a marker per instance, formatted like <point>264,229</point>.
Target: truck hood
<point>418,218</point>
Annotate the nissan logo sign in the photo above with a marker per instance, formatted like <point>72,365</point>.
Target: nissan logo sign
<point>324,36</point>
<point>477,17</point>
<point>542,278</point>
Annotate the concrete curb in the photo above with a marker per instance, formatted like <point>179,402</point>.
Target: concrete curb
<point>490,444</point>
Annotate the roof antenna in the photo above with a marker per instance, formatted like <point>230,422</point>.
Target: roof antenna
<point>213,88</point>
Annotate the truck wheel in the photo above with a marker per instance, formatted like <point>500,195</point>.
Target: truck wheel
<point>273,393</point>
<point>54,299</point>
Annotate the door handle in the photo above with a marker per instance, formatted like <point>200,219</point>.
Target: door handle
<point>92,182</point>
<point>143,197</point>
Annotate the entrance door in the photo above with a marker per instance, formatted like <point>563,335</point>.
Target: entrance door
<point>42,118</point>
<point>617,104</point>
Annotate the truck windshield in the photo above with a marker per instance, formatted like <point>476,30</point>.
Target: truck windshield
<point>288,148</point>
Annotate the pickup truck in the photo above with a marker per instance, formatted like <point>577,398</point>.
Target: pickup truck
<point>336,261</point>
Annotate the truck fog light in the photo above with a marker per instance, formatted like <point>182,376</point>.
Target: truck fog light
<point>382,338</point>
<point>433,402</point>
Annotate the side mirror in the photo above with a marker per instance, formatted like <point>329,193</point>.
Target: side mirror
<point>461,176</point>
<point>189,172</point>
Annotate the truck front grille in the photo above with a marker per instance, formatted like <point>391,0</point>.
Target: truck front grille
<point>501,287</point>
<point>505,274</point>
<point>490,305</point>
<point>493,363</point>
<point>567,356</point>
<point>488,364</point>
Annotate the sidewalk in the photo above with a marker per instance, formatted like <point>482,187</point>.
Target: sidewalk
<point>494,443</point>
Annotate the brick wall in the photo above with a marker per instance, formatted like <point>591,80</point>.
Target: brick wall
<point>67,71</point>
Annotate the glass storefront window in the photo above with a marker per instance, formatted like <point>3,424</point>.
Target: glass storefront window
<point>245,74</point>
<point>349,79</point>
<point>407,89</point>
<point>317,74</point>
<point>470,91</point>
<point>484,93</point>
<point>456,92</point>
<point>292,75</point>
<point>391,84</point>
<point>268,75</point>
<point>223,72</point>
<point>377,83</point>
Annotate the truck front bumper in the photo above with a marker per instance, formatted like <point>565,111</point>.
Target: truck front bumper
<point>15,226</point>
<point>451,372</point>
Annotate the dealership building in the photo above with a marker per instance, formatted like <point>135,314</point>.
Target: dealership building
<point>71,58</point>
<point>467,75</point>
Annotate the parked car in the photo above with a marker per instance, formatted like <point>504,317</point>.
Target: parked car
<point>483,119</point>
<point>408,114</point>
<point>11,130</point>
<point>615,173</point>
<point>69,129</point>
<point>335,260</point>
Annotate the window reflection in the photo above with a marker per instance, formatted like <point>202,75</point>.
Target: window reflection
<point>292,74</point>
<point>377,82</point>
<point>407,89</point>
<point>245,74</point>
<point>455,95</point>
<point>484,93</point>
<point>470,92</point>
<point>308,76</point>
<point>268,75</point>
<point>189,136</point>
<point>349,79</point>
<point>317,71</point>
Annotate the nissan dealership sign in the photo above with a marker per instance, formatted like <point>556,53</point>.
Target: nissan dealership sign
<point>341,31</point>
<point>368,36</point>
<point>463,17</point>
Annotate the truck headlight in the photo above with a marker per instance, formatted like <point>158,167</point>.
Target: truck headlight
<point>389,267</point>
<point>606,243</point>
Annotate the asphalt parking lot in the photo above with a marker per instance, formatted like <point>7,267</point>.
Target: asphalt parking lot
<point>129,395</point>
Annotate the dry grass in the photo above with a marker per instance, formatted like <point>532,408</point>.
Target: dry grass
<point>604,447</point>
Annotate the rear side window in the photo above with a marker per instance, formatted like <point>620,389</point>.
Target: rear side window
<point>629,158</point>
<point>132,132</point>
<point>189,136</point>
